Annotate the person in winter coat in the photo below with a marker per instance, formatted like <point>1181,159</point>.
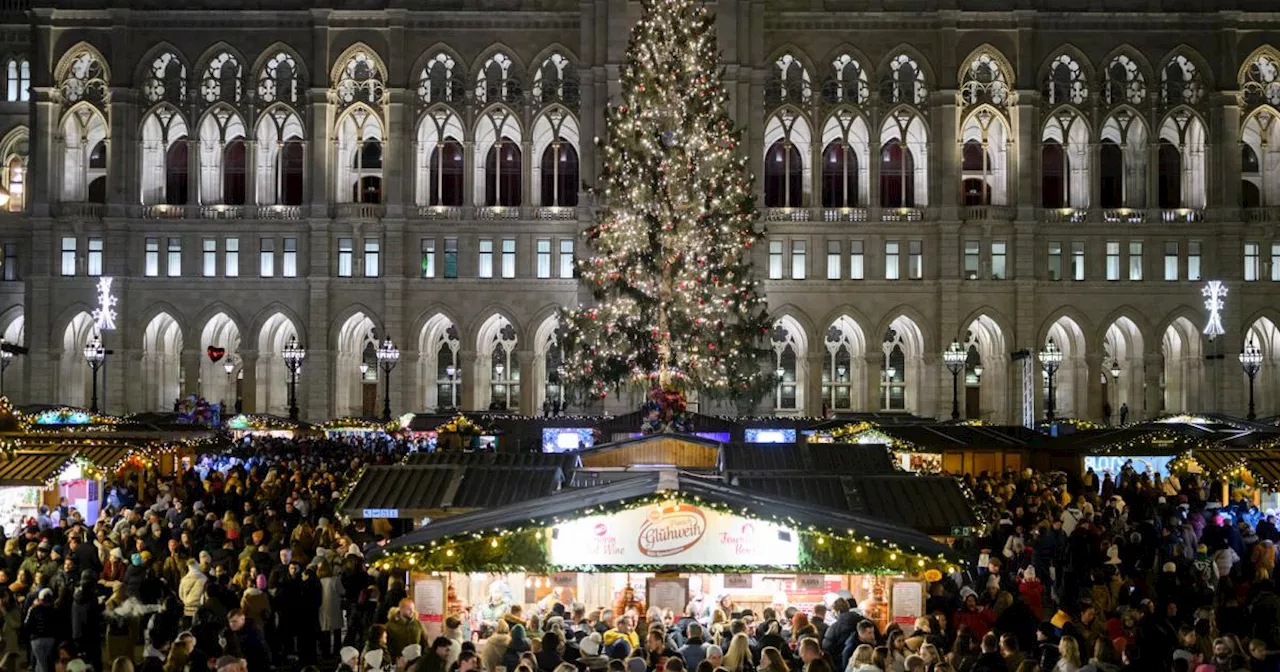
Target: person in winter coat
<point>404,628</point>
<point>518,646</point>
<point>86,619</point>
<point>974,615</point>
<point>331,594</point>
<point>694,649</point>
<point>1032,591</point>
<point>495,647</point>
<point>833,643</point>
<point>191,590</point>
<point>42,629</point>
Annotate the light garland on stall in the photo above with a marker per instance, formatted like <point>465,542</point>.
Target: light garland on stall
<point>524,547</point>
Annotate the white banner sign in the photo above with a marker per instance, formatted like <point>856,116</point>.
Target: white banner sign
<point>673,534</point>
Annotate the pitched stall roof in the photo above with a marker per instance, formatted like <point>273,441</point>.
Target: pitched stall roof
<point>32,467</point>
<point>439,483</point>
<point>569,503</point>
<point>818,458</point>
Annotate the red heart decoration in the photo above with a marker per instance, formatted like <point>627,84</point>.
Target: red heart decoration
<point>216,353</point>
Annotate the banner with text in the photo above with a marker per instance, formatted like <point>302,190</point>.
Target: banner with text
<point>674,534</point>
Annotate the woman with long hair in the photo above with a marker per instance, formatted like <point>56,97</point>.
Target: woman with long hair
<point>738,657</point>
<point>771,660</point>
<point>1068,655</point>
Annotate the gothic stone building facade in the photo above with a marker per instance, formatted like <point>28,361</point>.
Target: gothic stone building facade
<point>1001,173</point>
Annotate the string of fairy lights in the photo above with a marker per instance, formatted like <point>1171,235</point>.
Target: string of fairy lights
<point>675,301</point>
<point>524,547</point>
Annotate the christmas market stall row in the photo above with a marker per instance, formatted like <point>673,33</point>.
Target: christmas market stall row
<point>53,454</point>
<point>639,538</point>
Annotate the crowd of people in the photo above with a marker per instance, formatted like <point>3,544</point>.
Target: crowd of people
<point>241,563</point>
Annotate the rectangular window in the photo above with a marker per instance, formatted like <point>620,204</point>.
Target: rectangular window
<point>450,257</point>
<point>1077,261</point>
<point>69,255</point>
<point>1055,260</point>
<point>891,271</point>
<point>153,257</point>
<point>289,262</point>
<point>1252,264</point>
<point>566,258</point>
<point>542,250</point>
<point>173,265</point>
<point>775,260</point>
<point>11,261</point>
<point>857,267</point>
<point>1193,260</point>
<point>231,247</point>
<point>915,259</point>
<point>508,257</point>
<point>833,260</point>
<point>428,257</point>
<point>345,257</point>
<point>209,257</point>
<point>972,259</point>
<point>372,258</point>
<point>486,259</point>
<point>267,257</point>
<point>93,266</point>
<point>1275,262</point>
<point>1135,260</point>
<point>1171,260</point>
<point>1113,260</point>
<point>998,264</point>
<point>797,260</point>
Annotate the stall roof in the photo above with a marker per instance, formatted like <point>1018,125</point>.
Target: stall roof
<point>569,503</point>
<point>32,467</point>
<point>934,505</point>
<point>817,458</point>
<point>566,462</point>
<point>421,489</point>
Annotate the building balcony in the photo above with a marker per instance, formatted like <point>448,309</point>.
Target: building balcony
<point>1064,215</point>
<point>902,214</point>
<point>1179,215</point>
<point>286,212</point>
<point>786,214</point>
<point>372,211</point>
<point>499,212</point>
<point>164,211</point>
<point>844,215</point>
<point>557,213</point>
<point>1124,215</point>
<point>222,212</point>
<point>80,210</point>
<point>1260,215</point>
<point>437,212</point>
<point>987,213</point>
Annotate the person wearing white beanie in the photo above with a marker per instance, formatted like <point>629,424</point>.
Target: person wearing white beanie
<point>348,659</point>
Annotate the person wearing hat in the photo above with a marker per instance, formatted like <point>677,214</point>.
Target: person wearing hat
<point>348,659</point>
<point>591,648</point>
<point>42,627</point>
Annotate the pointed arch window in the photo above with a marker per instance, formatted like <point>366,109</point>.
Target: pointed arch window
<point>1251,171</point>
<point>790,82</point>
<point>503,183</point>
<point>15,172</point>
<point>1111,166</point>
<point>166,80</point>
<point>368,170</point>
<point>1054,171</point>
<point>292,170</point>
<point>897,176</point>
<point>177,173</point>
<point>893,380</point>
<point>985,81</point>
<point>223,80</point>
<point>448,373</point>
<point>838,370</point>
<point>783,176</point>
<point>437,82</point>
<point>361,80</point>
<point>1169,168</point>
<point>555,81</point>
<point>839,176</point>
<point>278,80</point>
<point>1260,81</point>
<point>847,82</point>
<point>446,163</point>
<point>560,174</point>
<point>83,77</point>
<point>1066,82</point>
<point>497,81</point>
<point>234,171</point>
<point>1123,82</point>
<point>903,82</point>
<point>1181,83</point>
<point>786,368</point>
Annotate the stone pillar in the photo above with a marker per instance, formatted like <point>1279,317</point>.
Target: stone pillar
<point>132,399</point>
<point>469,396</point>
<point>1151,377</point>
<point>251,178</point>
<point>1092,409</point>
<point>394,179</point>
<point>44,144</point>
<point>1027,179</point>
<point>874,372</point>
<point>123,174</point>
<point>320,151</point>
<point>469,174</point>
<point>1223,161</point>
<point>529,385</point>
<point>813,383</point>
<point>190,362</point>
<point>248,381</point>
<point>193,170</point>
<point>526,173</point>
<point>945,170</point>
<point>1095,181</point>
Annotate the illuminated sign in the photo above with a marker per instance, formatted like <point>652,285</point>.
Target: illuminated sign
<point>675,534</point>
<point>62,416</point>
<point>380,513</point>
<point>104,316</point>
<point>1215,301</point>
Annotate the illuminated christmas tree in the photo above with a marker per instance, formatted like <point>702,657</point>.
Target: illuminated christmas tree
<point>676,304</point>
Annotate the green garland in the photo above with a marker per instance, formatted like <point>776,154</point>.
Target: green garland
<point>524,548</point>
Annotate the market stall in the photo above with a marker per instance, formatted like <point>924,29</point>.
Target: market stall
<point>245,424</point>
<point>663,539</point>
<point>30,479</point>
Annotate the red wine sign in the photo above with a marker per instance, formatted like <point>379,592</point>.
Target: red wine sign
<point>676,534</point>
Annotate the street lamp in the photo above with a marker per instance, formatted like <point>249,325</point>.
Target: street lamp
<point>94,356</point>
<point>889,373</point>
<point>293,356</point>
<point>388,356</point>
<point>955,357</point>
<point>452,371</point>
<point>364,370</point>
<point>229,366</point>
<point>6,358</point>
<point>1050,359</point>
<point>1251,362</point>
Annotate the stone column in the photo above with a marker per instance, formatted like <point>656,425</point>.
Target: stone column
<point>945,170</point>
<point>320,151</point>
<point>1093,383</point>
<point>1027,181</point>
<point>1151,376</point>
<point>813,383</point>
<point>122,151</point>
<point>529,393</point>
<point>394,179</point>
<point>44,143</point>
<point>1223,161</point>
<point>250,178</point>
<point>1095,181</point>
<point>193,171</point>
<point>190,362</point>
<point>874,372</point>
<point>248,381</point>
<point>469,397</point>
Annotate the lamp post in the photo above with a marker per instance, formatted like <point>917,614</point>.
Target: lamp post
<point>1251,362</point>
<point>452,371</point>
<point>6,358</point>
<point>230,366</point>
<point>1050,359</point>
<point>955,357</point>
<point>293,356</point>
<point>94,355</point>
<point>889,373</point>
<point>388,356</point>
